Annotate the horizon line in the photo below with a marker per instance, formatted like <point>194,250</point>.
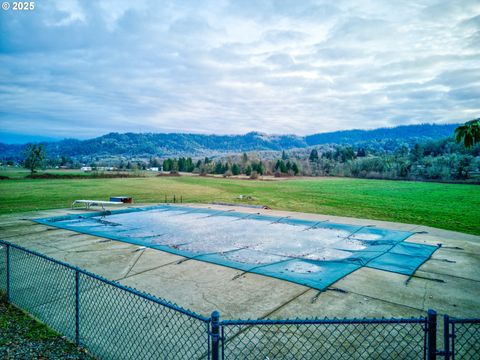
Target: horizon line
<point>48,139</point>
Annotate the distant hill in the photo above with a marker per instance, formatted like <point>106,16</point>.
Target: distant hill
<point>423,131</point>
<point>174,144</point>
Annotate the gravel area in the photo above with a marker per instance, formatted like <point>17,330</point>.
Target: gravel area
<point>22,337</point>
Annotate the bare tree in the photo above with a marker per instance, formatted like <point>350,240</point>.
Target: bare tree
<point>34,156</point>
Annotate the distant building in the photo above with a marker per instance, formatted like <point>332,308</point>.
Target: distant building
<point>153,169</point>
<point>86,168</point>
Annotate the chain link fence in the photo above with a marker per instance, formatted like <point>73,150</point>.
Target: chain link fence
<point>110,320</point>
<point>113,321</point>
<point>325,339</point>
<point>462,338</point>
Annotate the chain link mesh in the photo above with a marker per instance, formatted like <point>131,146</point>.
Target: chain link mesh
<point>345,340</point>
<point>467,339</point>
<point>119,324</point>
<point>3,268</point>
<point>116,322</point>
<point>43,288</point>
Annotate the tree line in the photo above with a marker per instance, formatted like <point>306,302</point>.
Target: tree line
<point>246,166</point>
<point>445,159</point>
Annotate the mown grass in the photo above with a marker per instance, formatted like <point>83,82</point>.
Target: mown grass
<point>448,206</point>
<point>21,173</point>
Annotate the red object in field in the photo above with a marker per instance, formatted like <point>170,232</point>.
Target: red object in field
<point>122,199</point>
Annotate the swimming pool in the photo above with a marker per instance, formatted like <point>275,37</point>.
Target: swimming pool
<point>311,253</point>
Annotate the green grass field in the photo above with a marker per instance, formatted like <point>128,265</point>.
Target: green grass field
<point>20,173</point>
<point>447,206</point>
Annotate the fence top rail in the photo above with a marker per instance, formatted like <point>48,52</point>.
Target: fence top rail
<point>143,295</point>
<point>464,321</point>
<point>420,320</point>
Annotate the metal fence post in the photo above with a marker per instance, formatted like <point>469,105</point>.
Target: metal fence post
<point>77,307</point>
<point>215,335</point>
<point>446,336</point>
<point>453,342</point>
<point>431,335</point>
<point>8,272</point>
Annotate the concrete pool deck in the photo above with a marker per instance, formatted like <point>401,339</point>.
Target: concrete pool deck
<point>449,282</point>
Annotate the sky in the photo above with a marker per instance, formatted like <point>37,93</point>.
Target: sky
<point>80,69</point>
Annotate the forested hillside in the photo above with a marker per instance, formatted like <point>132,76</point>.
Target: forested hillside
<point>407,132</point>
<point>175,144</point>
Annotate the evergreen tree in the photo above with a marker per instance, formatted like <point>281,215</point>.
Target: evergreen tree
<point>167,165</point>
<point>328,155</point>
<point>402,151</point>
<point>277,165</point>
<point>361,152</point>
<point>189,165</point>
<point>260,168</point>
<point>280,166</point>
<point>295,169</point>
<point>313,155</point>
<point>219,168</point>
<point>181,164</point>
<point>174,165</point>
<point>345,154</point>
<point>235,169</point>
<point>417,152</point>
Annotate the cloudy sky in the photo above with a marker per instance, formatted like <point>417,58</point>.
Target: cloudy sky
<point>73,68</point>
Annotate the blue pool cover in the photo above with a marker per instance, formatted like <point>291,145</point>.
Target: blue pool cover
<point>311,253</point>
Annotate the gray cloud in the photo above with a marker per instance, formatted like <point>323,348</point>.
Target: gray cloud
<point>74,68</point>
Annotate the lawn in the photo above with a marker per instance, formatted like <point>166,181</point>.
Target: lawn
<point>447,206</point>
<point>20,173</point>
